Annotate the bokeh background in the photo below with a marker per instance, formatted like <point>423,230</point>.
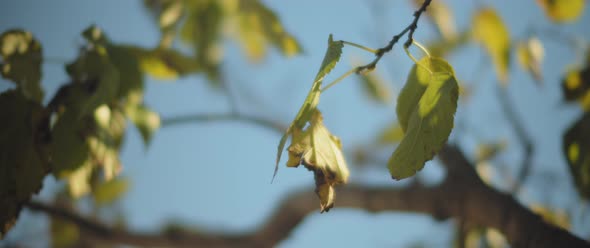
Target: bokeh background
<point>216,176</point>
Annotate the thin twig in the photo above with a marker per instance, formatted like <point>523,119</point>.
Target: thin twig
<point>521,134</point>
<point>411,28</point>
<point>220,117</point>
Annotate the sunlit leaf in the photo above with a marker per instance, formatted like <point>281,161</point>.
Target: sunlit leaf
<point>391,134</point>
<point>146,121</point>
<point>321,152</point>
<point>21,62</point>
<point>257,18</point>
<point>426,108</point>
<point>562,10</point>
<point>108,192</point>
<point>576,148</point>
<point>331,57</point>
<point>530,55</point>
<point>79,179</point>
<point>165,64</point>
<point>22,164</point>
<point>489,29</point>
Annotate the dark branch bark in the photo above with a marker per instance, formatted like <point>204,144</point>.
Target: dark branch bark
<point>462,195</point>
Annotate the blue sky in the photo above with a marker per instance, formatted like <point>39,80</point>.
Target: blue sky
<point>216,176</point>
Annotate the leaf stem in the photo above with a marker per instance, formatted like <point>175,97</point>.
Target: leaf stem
<point>371,50</point>
<point>421,47</point>
<point>351,71</point>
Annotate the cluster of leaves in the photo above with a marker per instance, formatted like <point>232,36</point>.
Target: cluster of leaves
<point>77,135</point>
<point>576,140</point>
<point>201,24</point>
<point>426,108</point>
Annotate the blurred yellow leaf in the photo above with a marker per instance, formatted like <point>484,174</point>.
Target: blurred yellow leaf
<point>108,192</point>
<point>562,10</point>
<point>489,30</point>
<point>530,54</point>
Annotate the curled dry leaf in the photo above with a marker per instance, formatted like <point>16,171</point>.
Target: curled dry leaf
<point>321,152</point>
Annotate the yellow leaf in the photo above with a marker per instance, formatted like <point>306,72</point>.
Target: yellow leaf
<point>321,152</point>
<point>562,10</point>
<point>530,54</point>
<point>492,33</point>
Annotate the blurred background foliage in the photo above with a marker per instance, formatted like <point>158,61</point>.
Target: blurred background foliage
<point>76,134</point>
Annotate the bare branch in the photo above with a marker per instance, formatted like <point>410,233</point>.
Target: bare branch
<point>411,28</point>
<point>462,195</point>
<point>522,136</point>
<point>216,117</point>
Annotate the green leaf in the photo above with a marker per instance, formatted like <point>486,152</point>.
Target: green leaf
<point>126,61</point>
<point>312,100</point>
<point>108,192</point>
<point>561,11</point>
<point>492,33</point>
<point>95,81</point>
<point>69,150</point>
<point>321,152</point>
<point>392,134</point>
<point>146,121</point>
<point>331,57</point>
<point>255,18</point>
<point>530,55</point>
<point>576,148</point>
<point>202,30</point>
<point>23,164</point>
<point>426,109</point>
<point>22,56</point>
<point>165,64</point>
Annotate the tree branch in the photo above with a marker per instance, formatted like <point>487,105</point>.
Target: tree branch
<point>462,195</point>
<point>522,136</point>
<point>410,28</point>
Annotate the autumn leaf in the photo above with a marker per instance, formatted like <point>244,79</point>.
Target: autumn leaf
<point>489,30</point>
<point>321,152</point>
